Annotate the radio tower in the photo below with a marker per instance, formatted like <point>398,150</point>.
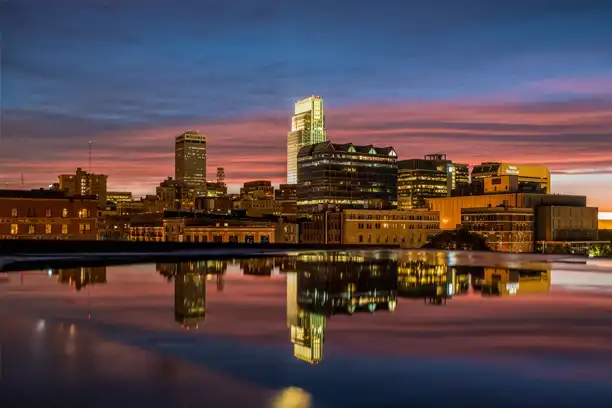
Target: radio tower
<point>220,175</point>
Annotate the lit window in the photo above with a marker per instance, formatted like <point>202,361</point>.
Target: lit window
<point>48,212</point>
<point>14,229</point>
<point>64,213</point>
<point>32,229</point>
<point>83,213</point>
<point>65,229</point>
<point>14,212</point>
<point>48,229</point>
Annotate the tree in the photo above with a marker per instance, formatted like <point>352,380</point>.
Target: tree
<point>460,239</point>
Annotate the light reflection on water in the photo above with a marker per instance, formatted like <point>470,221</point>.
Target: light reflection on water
<point>335,304</point>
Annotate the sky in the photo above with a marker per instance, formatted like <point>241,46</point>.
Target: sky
<point>527,81</point>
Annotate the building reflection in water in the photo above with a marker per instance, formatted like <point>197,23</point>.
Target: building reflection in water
<point>435,280</point>
<point>80,278</point>
<point>190,280</point>
<point>504,282</point>
<point>257,266</point>
<point>329,284</point>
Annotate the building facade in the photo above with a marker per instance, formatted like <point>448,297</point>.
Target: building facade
<point>347,176</point>
<point>119,196</point>
<point>539,176</point>
<point>224,231</point>
<point>176,195</point>
<point>430,177</point>
<point>507,229</point>
<point>190,161</point>
<point>566,223</point>
<point>450,207</point>
<point>82,183</point>
<point>307,128</point>
<point>40,214</point>
<point>258,189</point>
<point>409,229</point>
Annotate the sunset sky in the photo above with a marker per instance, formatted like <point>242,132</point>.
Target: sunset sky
<point>526,81</point>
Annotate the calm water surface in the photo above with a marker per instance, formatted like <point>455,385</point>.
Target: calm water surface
<point>311,329</point>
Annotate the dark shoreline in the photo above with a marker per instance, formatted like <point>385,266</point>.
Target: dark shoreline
<point>37,255</point>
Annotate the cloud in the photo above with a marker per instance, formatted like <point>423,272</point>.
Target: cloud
<point>572,137</point>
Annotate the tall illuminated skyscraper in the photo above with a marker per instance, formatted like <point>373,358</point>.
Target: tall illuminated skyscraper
<point>307,128</point>
<point>190,161</point>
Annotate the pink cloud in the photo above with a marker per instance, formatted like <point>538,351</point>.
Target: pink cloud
<point>566,136</point>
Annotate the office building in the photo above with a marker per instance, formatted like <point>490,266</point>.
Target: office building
<point>214,189</point>
<point>176,195</point>
<point>450,207</point>
<point>258,189</point>
<point>430,177</point>
<point>286,192</point>
<point>409,229</point>
<point>44,214</point>
<point>119,196</point>
<point>534,177</point>
<point>82,183</point>
<point>347,176</point>
<point>190,161</point>
<point>507,229</point>
<point>307,128</point>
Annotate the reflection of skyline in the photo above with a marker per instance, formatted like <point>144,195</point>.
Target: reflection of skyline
<point>435,280</point>
<point>504,282</point>
<point>257,266</point>
<point>190,288</point>
<point>325,285</point>
<point>80,278</point>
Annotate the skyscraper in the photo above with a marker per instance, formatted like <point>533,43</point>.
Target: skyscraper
<point>430,177</point>
<point>84,183</point>
<point>307,128</point>
<point>190,161</point>
<point>347,176</point>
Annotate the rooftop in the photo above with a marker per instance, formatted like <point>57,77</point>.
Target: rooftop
<point>347,148</point>
<point>42,194</point>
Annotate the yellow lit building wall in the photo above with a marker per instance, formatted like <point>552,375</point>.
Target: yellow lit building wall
<point>524,172</point>
<point>449,208</point>
<point>410,229</point>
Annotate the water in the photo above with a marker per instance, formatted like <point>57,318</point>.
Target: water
<point>311,329</point>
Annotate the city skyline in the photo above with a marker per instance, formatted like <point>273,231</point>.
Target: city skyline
<point>529,83</point>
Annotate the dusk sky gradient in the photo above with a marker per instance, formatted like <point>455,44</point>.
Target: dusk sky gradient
<point>527,81</point>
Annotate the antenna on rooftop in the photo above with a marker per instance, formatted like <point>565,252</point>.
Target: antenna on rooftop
<point>89,157</point>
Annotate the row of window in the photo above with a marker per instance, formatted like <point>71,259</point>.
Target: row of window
<point>393,217</point>
<point>32,230</point>
<point>386,240</point>
<point>377,225</point>
<point>83,213</point>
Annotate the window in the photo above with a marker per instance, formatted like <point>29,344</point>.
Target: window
<point>64,213</point>
<point>81,228</point>
<point>65,229</point>
<point>14,212</point>
<point>360,238</point>
<point>32,229</point>
<point>48,229</point>
<point>83,213</point>
<point>14,229</point>
<point>48,213</point>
